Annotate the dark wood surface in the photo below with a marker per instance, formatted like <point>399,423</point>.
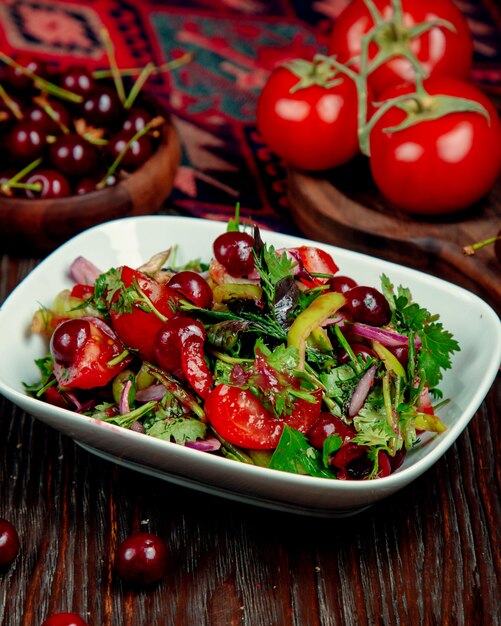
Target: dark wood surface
<point>429,555</point>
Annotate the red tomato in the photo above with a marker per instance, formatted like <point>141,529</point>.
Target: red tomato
<point>240,418</point>
<point>439,50</point>
<point>437,166</point>
<point>82,350</point>
<point>82,291</point>
<point>138,328</point>
<point>310,260</point>
<point>313,127</point>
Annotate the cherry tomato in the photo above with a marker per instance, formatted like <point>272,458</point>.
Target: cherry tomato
<point>312,127</point>
<point>82,350</point>
<point>439,50</point>
<point>310,260</point>
<point>437,166</point>
<point>138,328</point>
<point>240,418</point>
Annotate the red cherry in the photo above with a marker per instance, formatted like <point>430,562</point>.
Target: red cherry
<point>234,250</point>
<point>37,114</point>
<point>19,81</point>
<point>194,287</point>
<point>138,152</point>
<point>141,559</point>
<point>26,141</point>
<point>73,155</point>
<point>54,184</point>
<point>102,107</point>
<point>136,120</point>
<point>341,284</point>
<point>79,80</point>
<point>64,619</point>
<point>9,542</point>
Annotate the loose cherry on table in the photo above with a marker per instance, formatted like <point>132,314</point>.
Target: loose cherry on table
<point>64,619</point>
<point>9,542</point>
<point>141,559</point>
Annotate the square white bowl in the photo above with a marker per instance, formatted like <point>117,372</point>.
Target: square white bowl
<point>132,241</point>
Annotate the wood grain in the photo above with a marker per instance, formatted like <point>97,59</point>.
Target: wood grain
<point>344,208</point>
<point>429,555</point>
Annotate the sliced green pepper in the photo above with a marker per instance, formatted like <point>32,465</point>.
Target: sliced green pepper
<point>312,317</point>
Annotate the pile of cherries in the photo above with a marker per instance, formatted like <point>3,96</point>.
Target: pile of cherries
<point>68,133</point>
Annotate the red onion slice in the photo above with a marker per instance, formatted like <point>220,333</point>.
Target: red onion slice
<point>124,405</point>
<point>211,444</point>
<point>84,271</point>
<point>385,337</point>
<point>153,392</point>
<point>361,391</point>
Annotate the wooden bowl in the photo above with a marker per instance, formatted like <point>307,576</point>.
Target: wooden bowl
<point>42,225</point>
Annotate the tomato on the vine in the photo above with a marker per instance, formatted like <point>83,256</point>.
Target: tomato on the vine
<point>439,165</point>
<point>307,115</point>
<point>443,49</point>
<point>240,418</point>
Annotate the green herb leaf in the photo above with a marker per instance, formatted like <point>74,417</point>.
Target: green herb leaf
<point>295,455</point>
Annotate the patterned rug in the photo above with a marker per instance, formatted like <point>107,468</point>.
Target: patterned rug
<point>212,99</point>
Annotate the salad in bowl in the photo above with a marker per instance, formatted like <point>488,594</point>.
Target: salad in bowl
<point>267,355</point>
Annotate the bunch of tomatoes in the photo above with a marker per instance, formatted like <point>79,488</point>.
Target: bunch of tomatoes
<point>395,86</point>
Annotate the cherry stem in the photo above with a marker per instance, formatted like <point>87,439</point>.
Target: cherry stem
<point>156,122</point>
<point>11,104</point>
<point>22,173</point>
<point>13,185</point>
<point>41,83</point>
<point>115,72</point>
<point>42,102</point>
<point>138,85</point>
<point>470,250</point>
<point>157,69</point>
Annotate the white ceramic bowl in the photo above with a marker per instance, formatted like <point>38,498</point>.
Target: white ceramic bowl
<point>133,240</point>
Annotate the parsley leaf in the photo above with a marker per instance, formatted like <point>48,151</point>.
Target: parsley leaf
<point>179,429</point>
<point>295,455</point>
<point>438,344</point>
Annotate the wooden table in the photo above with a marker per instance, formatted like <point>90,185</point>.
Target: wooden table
<point>429,555</point>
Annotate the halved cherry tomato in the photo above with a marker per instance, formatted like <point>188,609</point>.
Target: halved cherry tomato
<point>240,418</point>
<point>138,328</point>
<point>84,351</point>
<point>82,291</point>
<point>195,368</point>
<point>311,260</point>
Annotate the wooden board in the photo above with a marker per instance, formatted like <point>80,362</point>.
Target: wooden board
<point>344,208</point>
